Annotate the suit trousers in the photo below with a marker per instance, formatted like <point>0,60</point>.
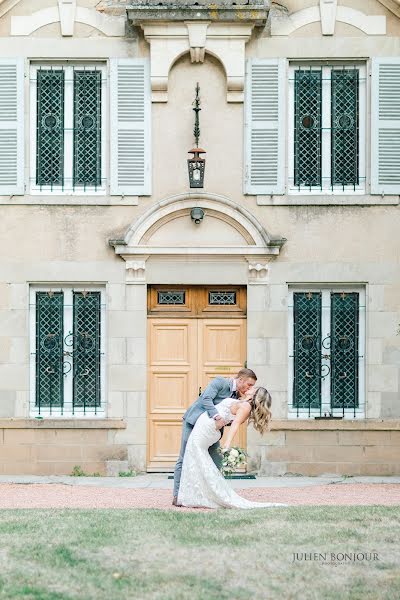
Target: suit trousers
<point>213,451</point>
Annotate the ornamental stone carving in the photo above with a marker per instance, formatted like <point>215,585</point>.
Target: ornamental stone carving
<point>327,13</point>
<point>67,13</point>
<point>135,270</point>
<point>248,243</point>
<point>258,272</point>
<point>196,27</point>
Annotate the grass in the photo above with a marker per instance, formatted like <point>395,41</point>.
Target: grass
<point>172,555</point>
<point>77,471</point>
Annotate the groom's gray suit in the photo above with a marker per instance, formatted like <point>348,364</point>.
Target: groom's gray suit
<point>215,392</point>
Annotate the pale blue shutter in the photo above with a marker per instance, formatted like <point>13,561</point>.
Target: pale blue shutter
<point>130,134</point>
<point>265,127</point>
<point>385,126</point>
<point>11,126</point>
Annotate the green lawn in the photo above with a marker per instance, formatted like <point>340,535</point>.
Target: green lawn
<point>172,555</point>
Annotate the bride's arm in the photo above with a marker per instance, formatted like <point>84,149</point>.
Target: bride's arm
<point>242,414</point>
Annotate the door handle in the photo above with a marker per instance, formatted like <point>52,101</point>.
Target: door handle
<point>200,391</point>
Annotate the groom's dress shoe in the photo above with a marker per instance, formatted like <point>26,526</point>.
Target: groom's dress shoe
<point>175,501</point>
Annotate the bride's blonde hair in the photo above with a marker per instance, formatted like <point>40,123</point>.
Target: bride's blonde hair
<point>260,414</point>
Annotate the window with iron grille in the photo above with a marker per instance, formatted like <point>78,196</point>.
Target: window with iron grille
<point>68,128</point>
<point>326,352</point>
<point>171,297</point>
<point>327,128</point>
<point>67,356</point>
<point>222,298</point>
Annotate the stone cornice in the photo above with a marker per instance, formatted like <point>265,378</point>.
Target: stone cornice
<point>257,14</point>
<point>248,11</point>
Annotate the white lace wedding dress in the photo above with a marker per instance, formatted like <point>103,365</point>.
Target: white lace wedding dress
<point>202,484</point>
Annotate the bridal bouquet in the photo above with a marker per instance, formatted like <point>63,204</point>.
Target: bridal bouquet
<point>231,459</point>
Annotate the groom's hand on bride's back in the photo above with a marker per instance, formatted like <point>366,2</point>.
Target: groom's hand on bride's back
<point>219,424</point>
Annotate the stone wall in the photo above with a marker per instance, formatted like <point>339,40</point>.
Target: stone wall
<point>55,447</point>
<point>313,448</point>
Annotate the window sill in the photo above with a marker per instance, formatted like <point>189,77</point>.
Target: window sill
<point>328,200</point>
<point>69,200</point>
<point>62,423</point>
<point>362,424</point>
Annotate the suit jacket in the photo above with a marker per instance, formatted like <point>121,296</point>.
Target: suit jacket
<point>216,391</point>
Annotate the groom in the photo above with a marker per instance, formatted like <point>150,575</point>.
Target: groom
<point>218,389</point>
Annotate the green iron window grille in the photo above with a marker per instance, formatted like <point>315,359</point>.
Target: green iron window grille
<point>344,350</point>
<point>345,126</point>
<point>86,353</point>
<point>308,128</point>
<point>49,349</point>
<point>68,352</point>
<point>307,353</point>
<point>326,128</point>
<point>87,128</point>
<point>50,127</point>
<point>326,364</point>
<point>69,122</point>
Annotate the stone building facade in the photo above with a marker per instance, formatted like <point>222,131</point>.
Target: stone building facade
<point>118,302</point>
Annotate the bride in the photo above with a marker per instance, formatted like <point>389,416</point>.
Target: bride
<point>202,484</point>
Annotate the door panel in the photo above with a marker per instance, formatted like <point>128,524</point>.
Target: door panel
<point>172,381</point>
<point>184,354</point>
<point>169,391</point>
<point>222,351</point>
<point>172,344</point>
<point>166,444</point>
<point>221,345</point>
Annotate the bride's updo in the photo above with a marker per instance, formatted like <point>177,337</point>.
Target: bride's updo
<point>260,414</point>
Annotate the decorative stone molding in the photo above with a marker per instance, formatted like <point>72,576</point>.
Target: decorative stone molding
<point>67,13</point>
<point>135,269</point>
<point>258,272</point>
<point>170,41</point>
<point>328,13</point>
<point>197,40</point>
<point>67,10</point>
<point>257,248</point>
<point>328,16</point>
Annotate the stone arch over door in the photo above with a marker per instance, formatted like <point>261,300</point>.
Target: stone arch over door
<point>228,233</point>
<point>163,246</point>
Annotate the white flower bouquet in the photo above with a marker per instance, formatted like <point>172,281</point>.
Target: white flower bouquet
<point>231,459</point>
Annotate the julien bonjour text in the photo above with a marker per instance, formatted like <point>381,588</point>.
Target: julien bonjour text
<point>335,556</point>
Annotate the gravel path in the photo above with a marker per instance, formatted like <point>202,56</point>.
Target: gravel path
<point>66,496</point>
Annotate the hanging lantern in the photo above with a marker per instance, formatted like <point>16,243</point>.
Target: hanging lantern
<point>196,168</point>
<point>196,164</point>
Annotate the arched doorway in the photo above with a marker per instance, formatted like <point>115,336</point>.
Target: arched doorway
<point>196,279</point>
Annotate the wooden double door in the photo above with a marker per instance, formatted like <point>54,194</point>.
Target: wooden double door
<point>189,344</point>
